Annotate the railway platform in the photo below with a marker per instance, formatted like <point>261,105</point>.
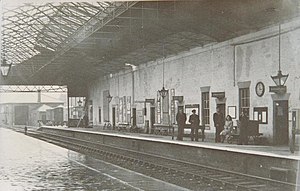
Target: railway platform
<point>255,160</point>
<point>31,164</point>
<point>266,150</point>
<point>270,162</point>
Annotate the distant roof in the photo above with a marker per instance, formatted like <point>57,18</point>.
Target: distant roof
<point>60,106</point>
<point>44,108</point>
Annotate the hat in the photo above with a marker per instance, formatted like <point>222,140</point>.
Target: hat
<point>194,110</point>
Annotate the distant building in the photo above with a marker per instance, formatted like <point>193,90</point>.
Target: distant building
<point>25,113</point>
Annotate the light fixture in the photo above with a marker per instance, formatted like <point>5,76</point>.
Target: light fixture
<point>133,67</point>
<point>109,98</point>
<point>163,92</point>
<point>79,102</point>
<point>5,68</point>
<point>280,78</point>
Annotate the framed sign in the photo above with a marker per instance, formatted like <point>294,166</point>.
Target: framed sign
<point>188,110</point>
<point>260,114</point>
<point>231,110</point>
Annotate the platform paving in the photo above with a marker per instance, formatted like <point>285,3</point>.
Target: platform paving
<point>266,150</point>
<point>27,163</point>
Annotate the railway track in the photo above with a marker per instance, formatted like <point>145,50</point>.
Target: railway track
<point>188,175</point>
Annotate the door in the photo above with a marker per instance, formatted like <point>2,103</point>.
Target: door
<point>222,109</point>
<point>280,120</point>
<point>152,118</point>
<point>114,117</point>
<point>99,114</point>
<point>134,117</point>
<point>44,119</point>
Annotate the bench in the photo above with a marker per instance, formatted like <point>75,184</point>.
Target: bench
<point>123,126</point>
<point>252,132</point>
<point>136,129</point>
<point>162,129</point>
<point>197,136</point>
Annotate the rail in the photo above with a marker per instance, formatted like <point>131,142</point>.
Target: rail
<point>172,169</point>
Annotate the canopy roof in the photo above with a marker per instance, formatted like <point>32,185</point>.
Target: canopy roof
<point>43,108</point>
<point>72,43</point>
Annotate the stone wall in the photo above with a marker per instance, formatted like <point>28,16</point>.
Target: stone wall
<point>221,66</point>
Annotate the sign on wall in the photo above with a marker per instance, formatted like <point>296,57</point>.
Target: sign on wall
<point>260,114</point>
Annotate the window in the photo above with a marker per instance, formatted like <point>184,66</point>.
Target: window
<point>205,108</point>
<point>244,100</point>
<point>99,114</point>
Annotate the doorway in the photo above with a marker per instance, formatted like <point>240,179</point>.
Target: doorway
<point>280,122</point>
<point>99,114</point>
<point>152,118</point>
<point>114,117</point>
<point>134,117</point>
<point>222,107</point>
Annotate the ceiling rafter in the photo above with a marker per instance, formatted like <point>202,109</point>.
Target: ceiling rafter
<point>50,19</point>
<point>47,44</point>
<point>78,10</point>
<point>91,8</point>
<point>27,15</point>
<point>21,46</point>
<point>68,22</point>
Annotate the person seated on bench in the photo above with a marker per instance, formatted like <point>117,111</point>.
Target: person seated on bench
<point>228,127</point>
<point>194,120</point>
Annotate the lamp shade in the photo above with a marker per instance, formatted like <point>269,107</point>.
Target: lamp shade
<point>280,79</point>
<point>79,103</point>
<point>5,68</point>
<point>109,98</point>
<point>163,92</point>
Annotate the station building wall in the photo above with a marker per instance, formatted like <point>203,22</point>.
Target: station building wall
<point>218,67</point>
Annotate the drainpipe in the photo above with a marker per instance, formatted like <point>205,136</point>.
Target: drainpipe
<point>39,96</point>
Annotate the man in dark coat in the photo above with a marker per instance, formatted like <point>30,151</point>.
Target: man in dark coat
<point>219,124</point>
<point>243,125</point>
<point>194,120</point>
<point>180,118</point>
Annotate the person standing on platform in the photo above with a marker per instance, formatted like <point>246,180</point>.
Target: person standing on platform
<point>180,118</point>
<point>243,124</point>
<point>219,124</point>
<point>194,120</point>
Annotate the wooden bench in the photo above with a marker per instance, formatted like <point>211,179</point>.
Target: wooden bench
<point>197,135</point>
<point>123,127</point>
<point>252,132</point>
<point>162,129</point>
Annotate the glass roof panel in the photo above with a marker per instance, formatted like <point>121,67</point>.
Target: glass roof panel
<point>28,26</point>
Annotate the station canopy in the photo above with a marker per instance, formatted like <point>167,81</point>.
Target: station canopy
<point>74,43</point>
